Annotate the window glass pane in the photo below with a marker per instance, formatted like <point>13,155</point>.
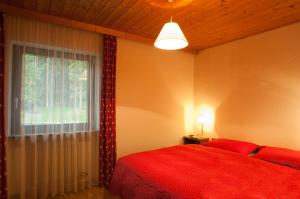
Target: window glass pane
<point>55,90</point>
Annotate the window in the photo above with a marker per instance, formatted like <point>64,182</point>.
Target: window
<point>52,91</point>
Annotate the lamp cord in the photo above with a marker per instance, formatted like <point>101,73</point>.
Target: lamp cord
<point>171,9</point>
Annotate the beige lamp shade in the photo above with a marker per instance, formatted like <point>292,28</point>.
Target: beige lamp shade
<point>171,37</point>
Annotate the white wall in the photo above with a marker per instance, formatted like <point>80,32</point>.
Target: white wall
<point>154,90</point>
<point>253,85</point>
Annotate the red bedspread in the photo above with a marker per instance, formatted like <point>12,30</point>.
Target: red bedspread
<point>195,171</point>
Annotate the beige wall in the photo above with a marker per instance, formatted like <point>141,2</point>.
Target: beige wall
<point>253,85</point>
<point>154,95</point>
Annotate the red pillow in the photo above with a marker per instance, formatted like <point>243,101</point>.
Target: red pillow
<point>244,148</point>
<point>285,157</point>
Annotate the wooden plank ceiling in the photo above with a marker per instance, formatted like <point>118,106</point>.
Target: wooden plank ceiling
<point>205,23</point>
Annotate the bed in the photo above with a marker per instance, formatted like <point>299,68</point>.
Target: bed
<point>196,172</point>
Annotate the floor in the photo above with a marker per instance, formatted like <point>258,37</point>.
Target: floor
<point>94,193</point>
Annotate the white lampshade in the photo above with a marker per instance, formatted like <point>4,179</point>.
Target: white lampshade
<point>202,119</point>
<point>171,37</point>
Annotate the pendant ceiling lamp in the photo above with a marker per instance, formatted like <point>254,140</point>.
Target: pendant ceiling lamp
<point>171,37</point>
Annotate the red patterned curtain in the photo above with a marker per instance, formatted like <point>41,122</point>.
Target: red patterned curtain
<point>108,111</point>
<point>3,191</point>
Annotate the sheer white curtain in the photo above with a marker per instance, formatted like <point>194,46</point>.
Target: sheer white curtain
<point>52,145</point>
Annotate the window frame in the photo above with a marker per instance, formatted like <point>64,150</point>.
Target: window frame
<point>16,90</point>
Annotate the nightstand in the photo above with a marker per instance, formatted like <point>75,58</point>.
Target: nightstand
<point>194,140</point>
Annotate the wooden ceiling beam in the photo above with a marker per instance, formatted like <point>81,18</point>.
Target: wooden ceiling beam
<point>14,11</point>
